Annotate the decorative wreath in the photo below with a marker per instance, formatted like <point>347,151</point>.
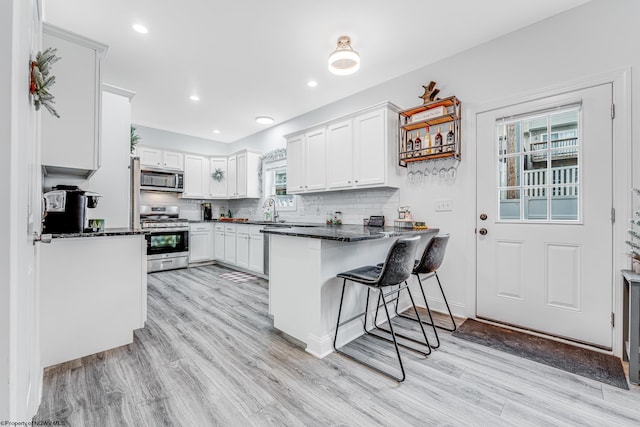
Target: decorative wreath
<point>40,81</point>
<point>218,175</point>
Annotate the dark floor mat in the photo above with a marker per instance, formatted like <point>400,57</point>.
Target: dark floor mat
<point>587,363</point>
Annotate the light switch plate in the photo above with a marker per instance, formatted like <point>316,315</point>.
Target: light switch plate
<point>444,205</point>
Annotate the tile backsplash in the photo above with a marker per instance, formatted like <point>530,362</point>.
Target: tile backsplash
<point>354,205</point>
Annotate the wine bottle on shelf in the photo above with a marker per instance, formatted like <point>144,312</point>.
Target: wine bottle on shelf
<point>438,141</point>
<point>410,145</point>
<point>417,145</point>
<point>427,143</point>
<point>450,138</point>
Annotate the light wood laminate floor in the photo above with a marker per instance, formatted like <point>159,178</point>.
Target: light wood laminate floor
<point>210,356</point>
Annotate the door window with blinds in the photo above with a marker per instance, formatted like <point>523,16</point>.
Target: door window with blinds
<point>539,166</point>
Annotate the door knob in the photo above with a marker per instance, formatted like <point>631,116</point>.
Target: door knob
<point>483,231</point>
<point>483,216</point>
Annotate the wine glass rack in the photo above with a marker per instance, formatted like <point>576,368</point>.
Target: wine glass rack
<point>424,117</point>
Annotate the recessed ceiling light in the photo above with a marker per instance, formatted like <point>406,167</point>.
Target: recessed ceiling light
<point>216,131</point>
<point>140,28</point>
<point>312,83</point>
<point>264,120</point>
<point>194,98</point>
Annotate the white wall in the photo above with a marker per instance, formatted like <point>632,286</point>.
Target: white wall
<point>6,143</point>
<point>20,376</point>
<point>597,37</point>
<point>176,141</point>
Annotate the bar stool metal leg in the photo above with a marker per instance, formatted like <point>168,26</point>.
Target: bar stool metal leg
<point>424,334</point>
<point>395,343</point>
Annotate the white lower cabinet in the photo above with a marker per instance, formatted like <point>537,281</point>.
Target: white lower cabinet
<point>242,247</point>
<point>218,238</point>
<point>256,249</point>
<point>230,244</point>
<point>201,241</point>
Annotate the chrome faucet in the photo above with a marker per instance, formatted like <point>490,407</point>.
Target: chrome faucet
<point>270,202</point>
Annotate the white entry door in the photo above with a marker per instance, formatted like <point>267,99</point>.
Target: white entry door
<point>544,227</point>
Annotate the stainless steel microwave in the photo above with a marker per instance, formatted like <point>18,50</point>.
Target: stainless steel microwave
<point>157,180</point>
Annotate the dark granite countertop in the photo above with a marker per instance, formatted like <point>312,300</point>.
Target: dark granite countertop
<point>346,233</point>
<point>259,222</point>
<point>124,231</point>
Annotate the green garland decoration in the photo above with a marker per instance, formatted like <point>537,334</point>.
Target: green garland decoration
<point>41,82</point>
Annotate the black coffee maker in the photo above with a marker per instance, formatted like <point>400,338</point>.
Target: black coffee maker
<point>66,209</point>
<point>207,214</point>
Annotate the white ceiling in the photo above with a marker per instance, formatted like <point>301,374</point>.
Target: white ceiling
<point>246,58</point>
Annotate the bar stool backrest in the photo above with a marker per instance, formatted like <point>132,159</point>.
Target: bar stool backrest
<point>433,254</point>
<point>400,260</point>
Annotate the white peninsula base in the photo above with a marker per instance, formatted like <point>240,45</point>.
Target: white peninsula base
<point>93,295</point>
<point>304,293</point>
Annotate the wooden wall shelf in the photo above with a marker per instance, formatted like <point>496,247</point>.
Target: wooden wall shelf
<point>445,111</point>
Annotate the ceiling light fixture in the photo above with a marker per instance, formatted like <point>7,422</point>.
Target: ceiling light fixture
<point>312,83</point>
<point>264,120</point>
<point>194,98</point>
<point>344,60</point>
<point>140,28</point>
<point>216,131</point>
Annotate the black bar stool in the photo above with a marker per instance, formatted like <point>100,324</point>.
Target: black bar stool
<point>428,265</point>
<point>395,272</point>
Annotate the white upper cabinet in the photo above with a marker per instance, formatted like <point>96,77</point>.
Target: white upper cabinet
<point>218,188</point>
<point>243,175</point>
<point>340,155</point>
<point>71,144</point>
<point>360,153</point>
<point>232,183</point>
<point>295,164</point>
<point>196,177</point>
<point>370,148</point>
<point>172,160</point>
<point>307,162</point>
<point>157,158</point>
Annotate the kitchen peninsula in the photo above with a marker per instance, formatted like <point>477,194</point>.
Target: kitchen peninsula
<point>93,292</point>
<point>304,292</point>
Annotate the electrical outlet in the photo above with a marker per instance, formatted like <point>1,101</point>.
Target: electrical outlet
<point>250,211</point>
<point>444,205</point>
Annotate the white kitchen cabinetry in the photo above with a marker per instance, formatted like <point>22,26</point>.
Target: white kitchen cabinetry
<point>218,189</point>
<point>201,242</point>
<point>340,155</point>
<point>242,246</point>
<point>196,177</point>
<point>250,247</point>
<point>218,253</point>
<point>373,136</point>
<point>243,175</point>
<point>157,158</point>
<point>230,244</point>
<point>256,249</point>
<point>113,179</point>
<point>93,295</point>
<point>71,144</point>
<point>360,153</point>
<point>307,162</point>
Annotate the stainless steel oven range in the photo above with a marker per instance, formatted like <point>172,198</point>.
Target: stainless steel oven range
<point>168,238</point>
